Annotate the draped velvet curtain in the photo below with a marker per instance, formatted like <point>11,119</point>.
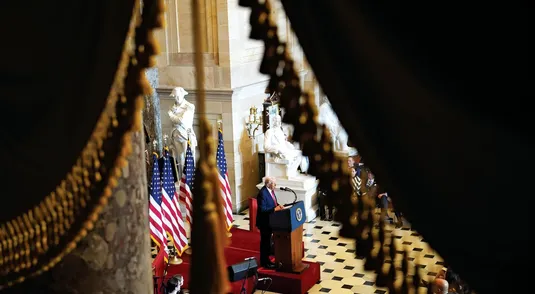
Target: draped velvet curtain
<point>58,61</point>
<point>435,98</point>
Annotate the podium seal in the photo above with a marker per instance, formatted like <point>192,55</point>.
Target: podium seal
<point>299,214</point>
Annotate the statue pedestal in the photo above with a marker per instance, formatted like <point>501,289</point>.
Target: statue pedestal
<point>281,168</point>
<point>305,187</point>
<point>346,153</point>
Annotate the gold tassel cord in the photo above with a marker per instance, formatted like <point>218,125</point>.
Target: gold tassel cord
<point>355,209</point>
<point>208,237</point>
<point>198,37</point>
<point>37,240</point>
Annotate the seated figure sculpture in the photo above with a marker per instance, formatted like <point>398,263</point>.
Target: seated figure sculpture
<point>280,150</point>
<point>275,141</point>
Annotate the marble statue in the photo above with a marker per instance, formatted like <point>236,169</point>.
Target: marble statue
<point>276,143</point>
<point>280,151</point>
<point>181,116</point>
<point>328,117</point>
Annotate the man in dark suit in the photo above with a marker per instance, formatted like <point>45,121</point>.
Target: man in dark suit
<point>266,204</point>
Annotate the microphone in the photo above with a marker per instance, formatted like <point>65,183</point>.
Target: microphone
<point>286,189</point>
<point>289,190</point>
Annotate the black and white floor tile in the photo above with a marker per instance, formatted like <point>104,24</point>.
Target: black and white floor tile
<point>342,272</point>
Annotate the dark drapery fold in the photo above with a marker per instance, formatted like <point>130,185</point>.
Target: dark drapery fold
<point>434,97</point>
<point>58,63</point>
<point>72,75</point>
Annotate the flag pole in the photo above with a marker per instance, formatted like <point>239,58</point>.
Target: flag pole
<point>175,260</point>
<point>188,250</point>
<point>220,129</point>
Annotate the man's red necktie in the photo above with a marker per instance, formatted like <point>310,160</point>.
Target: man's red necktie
<point>273,196</point>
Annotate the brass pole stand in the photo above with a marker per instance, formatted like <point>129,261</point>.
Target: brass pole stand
<point>174,259</point>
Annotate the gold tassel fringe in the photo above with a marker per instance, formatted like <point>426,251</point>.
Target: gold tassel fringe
<point>26,241</point>
<point>355,210</point>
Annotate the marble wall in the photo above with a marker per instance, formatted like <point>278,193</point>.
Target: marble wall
<point>246,54</point>
<point>176,64</point>
<point>233,83</point>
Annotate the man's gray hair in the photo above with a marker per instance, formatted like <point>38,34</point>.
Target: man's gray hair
<point>441,286</point>
<point>268,180</point>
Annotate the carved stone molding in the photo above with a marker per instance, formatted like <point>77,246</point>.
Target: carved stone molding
<point>188,59</point>
<point>178,38</point>
<point>211,95</point>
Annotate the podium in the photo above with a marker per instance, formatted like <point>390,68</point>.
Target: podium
<point>287,226</point>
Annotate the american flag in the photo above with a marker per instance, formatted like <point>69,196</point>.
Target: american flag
<point>223,180</point>
<point>171,209</point>
<point>157,232</point>
<point>186,183</point>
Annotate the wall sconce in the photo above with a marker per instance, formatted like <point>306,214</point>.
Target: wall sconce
<point>253,122</point>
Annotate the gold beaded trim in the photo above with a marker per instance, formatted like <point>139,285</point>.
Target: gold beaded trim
<point>355,209</point>
<point>37,240</point>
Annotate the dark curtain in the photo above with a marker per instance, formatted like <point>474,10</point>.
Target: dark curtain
<point>58,61</point>
<point>435,97</point>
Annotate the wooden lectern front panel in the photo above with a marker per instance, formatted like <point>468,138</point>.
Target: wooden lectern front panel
<point>289,250</point>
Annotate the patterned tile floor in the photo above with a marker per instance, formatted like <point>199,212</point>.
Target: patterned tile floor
<point>342,272</point>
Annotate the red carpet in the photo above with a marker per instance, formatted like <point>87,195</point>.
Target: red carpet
<point>291,283</point>
<point>247,244</point>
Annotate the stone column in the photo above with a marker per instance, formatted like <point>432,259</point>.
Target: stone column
<point>115,256</point>
<point>151,112</point>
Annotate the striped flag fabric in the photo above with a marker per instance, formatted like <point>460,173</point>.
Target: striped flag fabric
<point>157,232</point>
<point>175,226</point>
<point>226,193</point>
<point>186,183</point>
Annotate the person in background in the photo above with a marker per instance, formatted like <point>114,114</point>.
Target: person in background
<point>455,284</point>
<point>267,204</point>
<point>350,162</point>
<point>440,286</point>
<point>323,202</point>
<point>356,181</point>
<point>370,186</point>
<point>454,281</point>
<point>377,193</point>
<point>174,285</point>
<point>382,198</point>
